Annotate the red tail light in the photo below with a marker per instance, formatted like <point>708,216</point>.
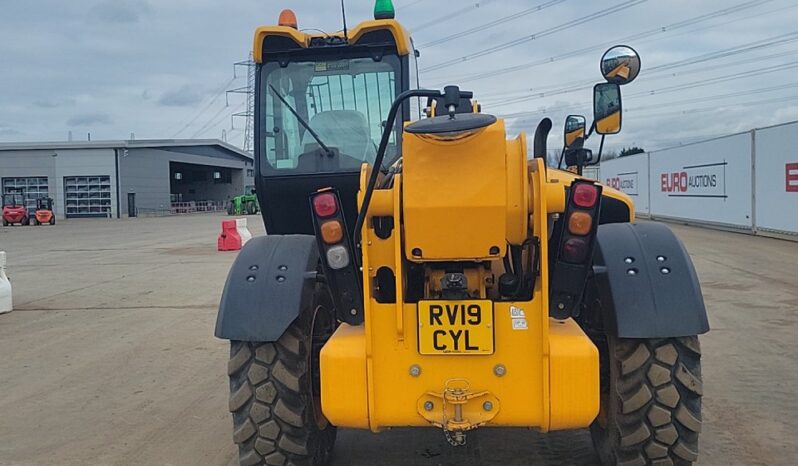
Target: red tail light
<point>325,205</point>
<point>585,195</point>
<point>574,250</point>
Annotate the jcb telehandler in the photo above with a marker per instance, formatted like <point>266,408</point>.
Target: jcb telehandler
<point>428,273</point>
<point>243,204</point>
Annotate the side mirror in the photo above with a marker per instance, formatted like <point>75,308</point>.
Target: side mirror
<point>578,157</point>
<point>620,64</point>
<point>574,129</point>
<point>607,108</point>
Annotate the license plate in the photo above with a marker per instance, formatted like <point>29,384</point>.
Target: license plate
<point>455,327</point>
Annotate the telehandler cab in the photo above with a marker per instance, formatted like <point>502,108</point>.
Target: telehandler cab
<point>429,273</point>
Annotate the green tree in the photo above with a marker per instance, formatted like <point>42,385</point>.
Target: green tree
<point>631,151</point>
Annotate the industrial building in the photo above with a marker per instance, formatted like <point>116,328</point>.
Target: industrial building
<point>124,178</point>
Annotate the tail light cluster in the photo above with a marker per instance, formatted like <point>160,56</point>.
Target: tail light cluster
<point>335,247</point>
<point>572,259</point>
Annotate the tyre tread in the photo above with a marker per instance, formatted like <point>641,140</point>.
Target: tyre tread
<point>657,393</point>
<point>272,415</point>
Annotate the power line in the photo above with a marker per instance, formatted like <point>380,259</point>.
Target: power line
<point>546,32</point>
<point>723,107</point>
<point>634,37</point>
<point>411,4</point>
<point>744,48</point>
<point>221,91</point>
<point>719,79</point>
<point>713,97</point>
<point>450,15</point>
<point>490,24</point>
<point>588,84</point>
<point>215,120</point>
<point>751,46</point>
<point>691,111</point>
<point>680,87</point>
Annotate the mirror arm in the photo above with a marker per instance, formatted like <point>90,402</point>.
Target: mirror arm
<point>590,132</point>
<point>601,147</point>
<point>562,156</point>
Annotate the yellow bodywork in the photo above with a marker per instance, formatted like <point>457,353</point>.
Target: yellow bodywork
<point>455,198</point>
<point>400,35</point>
<point>610,124</point>
<point>570,137</point>
<point>621,70</point>
<point>466,204</point>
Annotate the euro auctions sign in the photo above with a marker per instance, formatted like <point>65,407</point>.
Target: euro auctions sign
<point>708,182</point>
<point>703,180</point>
<point>791,170</point>
<point>629,175</point>
<point>628,182</point>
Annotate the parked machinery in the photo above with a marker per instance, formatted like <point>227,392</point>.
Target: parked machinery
<point>244,204</point>
<point>14,210</point>
<point>44,211</point>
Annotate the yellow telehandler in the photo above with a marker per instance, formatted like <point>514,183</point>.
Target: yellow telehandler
<point>427,272</point>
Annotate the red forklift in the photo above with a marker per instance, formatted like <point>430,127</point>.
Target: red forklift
<point>14,210</point>
<point>44,211</point>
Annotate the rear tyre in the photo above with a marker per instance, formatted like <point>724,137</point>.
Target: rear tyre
<point>650,402</point>
<point>275,397</point>
<point>5,222</point>
<point>36,221</point>
<point>251,209</point>
<point>231,208</point>
<point>52,220</point>
<point>26,221</point>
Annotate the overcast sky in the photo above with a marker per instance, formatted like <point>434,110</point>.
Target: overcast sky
<point>153,67</point>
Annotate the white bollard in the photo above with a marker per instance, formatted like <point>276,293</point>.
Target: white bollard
<point>6,304</point>
<point>243,231</point>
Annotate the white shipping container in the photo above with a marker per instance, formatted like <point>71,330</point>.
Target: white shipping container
<point>706,182</point>
<point>630,175</point>
<point>776,192</point>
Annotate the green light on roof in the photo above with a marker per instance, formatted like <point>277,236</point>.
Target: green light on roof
<point>383,9</point>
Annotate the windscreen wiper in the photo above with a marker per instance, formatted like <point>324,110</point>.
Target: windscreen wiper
<point>302,121</point>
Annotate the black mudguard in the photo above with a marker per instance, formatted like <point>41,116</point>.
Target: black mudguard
<point>270,282</point>
<point>657,294</point>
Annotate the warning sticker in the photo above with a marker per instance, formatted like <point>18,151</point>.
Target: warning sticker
<point>520,324</point>
<point>518,317</point>
<point>323,66</point>
<point>516,312</point>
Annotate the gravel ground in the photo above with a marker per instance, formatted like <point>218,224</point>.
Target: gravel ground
<point>109,357</point>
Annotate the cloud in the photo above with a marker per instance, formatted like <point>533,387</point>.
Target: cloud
<point>109,51</point>
<point>121,11</point>
<point>55,102</point>
<point>88,119</point>
<point>185,96</point>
